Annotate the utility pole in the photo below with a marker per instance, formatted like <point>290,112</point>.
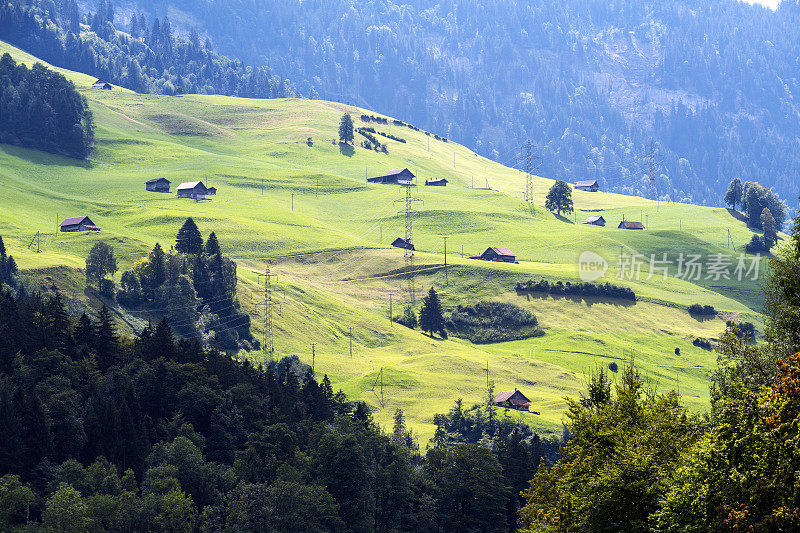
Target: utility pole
<point>390,308</point>
<point>408,254</point>
<point>351,341</point>
<point>381,386</point>
<point>262,186</point>
<point>487,374</point>
<point>313,356</point>
<point>292,202</point>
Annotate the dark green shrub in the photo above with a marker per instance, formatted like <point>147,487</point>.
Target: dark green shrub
<point>489,322</point>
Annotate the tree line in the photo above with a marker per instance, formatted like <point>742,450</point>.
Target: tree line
<point>41,109</point>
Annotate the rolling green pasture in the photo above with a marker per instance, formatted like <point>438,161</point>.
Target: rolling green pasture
<point>303,209</point>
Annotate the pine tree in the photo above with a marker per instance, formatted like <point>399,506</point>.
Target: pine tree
<point>431,317</point>
<point>346,134</point>
<point>212,245</point>
<point>107,340</point>
<point>158,267</point>
<point>201,278</point>
<point>84,333</point>
<point>189,240</point>
<point>399,429</point>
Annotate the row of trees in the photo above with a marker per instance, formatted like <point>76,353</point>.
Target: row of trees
<point>763,208</point>
<point>40,108</point>
<point>102,432</point>
<point>637,460</point>
<point>150,60</point>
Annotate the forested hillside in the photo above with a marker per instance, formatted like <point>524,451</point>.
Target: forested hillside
<point>149,60</point>
<point>713,82</point>
<point>100,432</point>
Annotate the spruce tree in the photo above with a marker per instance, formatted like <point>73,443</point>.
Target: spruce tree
<point>158,267</point>
<point>431,317</point>
<point>189,240</point>
<point>84,333</point>
<point>212,245</point>
<point>346,134</point>
<point>107,340</point>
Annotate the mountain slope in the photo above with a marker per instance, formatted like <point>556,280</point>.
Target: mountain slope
<point>712,82</point>
<point>303,209</point>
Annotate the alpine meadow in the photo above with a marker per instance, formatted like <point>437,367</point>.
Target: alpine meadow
<point>246,285</point>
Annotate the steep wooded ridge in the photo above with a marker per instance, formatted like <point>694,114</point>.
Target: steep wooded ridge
<point>712,82</point>
<point>151,61</point>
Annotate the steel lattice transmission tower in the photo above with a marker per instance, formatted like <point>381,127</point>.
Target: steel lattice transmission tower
<point>528,177</point>
<point>269,305</point>
<point>530,157</point>
<point>408,252</point>
<point>652,163</point>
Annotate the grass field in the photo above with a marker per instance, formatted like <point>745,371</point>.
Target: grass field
<point>304,209</point>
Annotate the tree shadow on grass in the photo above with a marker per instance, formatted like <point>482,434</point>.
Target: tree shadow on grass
<point>737,214</point>
<point>562,218</point>
<point>346,149</point>
<point>576,298</point>
<point>38,157</point>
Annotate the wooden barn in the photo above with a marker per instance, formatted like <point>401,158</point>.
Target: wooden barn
<point>436,182</point>
<point>493,253</point>
<point>100,84</point>
<point>78,224</point>
<point>211,191</point>
<point>157,185</point>
<point>596,220</point>
<point>588,185</point>
<point>629,224</point>
<point>512,399</point>
<point>401,176</point>
<point>192,189</point>
<point>402,242</point>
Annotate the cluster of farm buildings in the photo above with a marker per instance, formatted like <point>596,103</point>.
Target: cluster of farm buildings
<point>405,177</point>
<point>194,190</point>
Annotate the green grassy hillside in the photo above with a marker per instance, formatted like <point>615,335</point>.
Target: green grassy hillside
<point>305,210</point>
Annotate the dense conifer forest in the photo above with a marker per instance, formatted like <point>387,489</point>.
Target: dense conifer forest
<point>104,432</point>
<point>41,109</point>
<point>151,59</point>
